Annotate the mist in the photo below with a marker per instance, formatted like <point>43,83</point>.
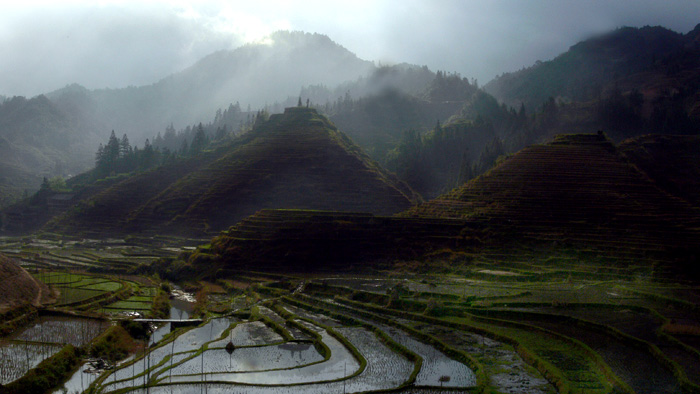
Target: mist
<point>120,44</point>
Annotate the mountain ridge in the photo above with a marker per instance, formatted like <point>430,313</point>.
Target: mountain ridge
<point>591,67</point>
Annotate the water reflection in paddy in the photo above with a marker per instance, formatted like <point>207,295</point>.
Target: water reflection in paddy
<point>62,329</point>
<point>247,359</point>
<point>18,358</point>
<point>340,364</point>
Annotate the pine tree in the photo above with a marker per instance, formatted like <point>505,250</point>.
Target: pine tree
<point>111,153</point>
<point>124,147</point>
<point>221,132</point>
<point>148,155</point>
<point>158,141</point>
<point>99,156</point>
<point>184,148</point>
<point>200,140</point>
<point>170,138</point>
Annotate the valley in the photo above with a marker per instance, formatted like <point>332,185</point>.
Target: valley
<point>388,229</point>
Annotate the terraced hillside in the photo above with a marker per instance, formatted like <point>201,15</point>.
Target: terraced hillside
<point>671,161</point>
<point>576,192</point>
<point>302,240</point>
<point>294,160</point>
<point>573,201</point>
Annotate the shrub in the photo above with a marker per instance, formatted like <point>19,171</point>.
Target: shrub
<point>48,374</point>
<point>134,329</point>
<point>114,344</point>
<point>161,305</point>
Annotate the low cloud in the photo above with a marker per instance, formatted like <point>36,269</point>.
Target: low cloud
<point>113,45</point>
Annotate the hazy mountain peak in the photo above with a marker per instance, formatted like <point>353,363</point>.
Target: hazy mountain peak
<point>73,88</point>
<point>588,67</point>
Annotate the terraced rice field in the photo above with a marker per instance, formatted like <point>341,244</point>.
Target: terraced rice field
<point>80,254</point>
<point>532,336</point>
<point>141,302</point>
<point>594,335</point>
<point>518,327</point>
<point>16,358</point>
<point>42,339</point>
<point>62,330</point>
<point>305,351</point>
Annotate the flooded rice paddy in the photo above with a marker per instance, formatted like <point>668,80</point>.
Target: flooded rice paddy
<point>232,355</point>
<point>16,358</point>
<point>62,330</point>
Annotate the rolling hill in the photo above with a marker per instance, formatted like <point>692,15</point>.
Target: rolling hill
<point>293,160</point>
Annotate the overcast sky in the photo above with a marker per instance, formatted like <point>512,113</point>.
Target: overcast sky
<point>47,45</point>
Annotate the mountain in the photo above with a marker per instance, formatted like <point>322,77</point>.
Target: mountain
<point>293,160</point>
<point>254,74</point>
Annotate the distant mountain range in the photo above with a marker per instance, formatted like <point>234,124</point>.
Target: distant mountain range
<point>254,74</point>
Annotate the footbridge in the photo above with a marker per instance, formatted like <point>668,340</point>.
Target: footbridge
<point>174,323</point>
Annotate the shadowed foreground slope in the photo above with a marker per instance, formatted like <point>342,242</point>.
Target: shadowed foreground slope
<point>579,192</point>
<point>671,161</point>
<point>17,287</point>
